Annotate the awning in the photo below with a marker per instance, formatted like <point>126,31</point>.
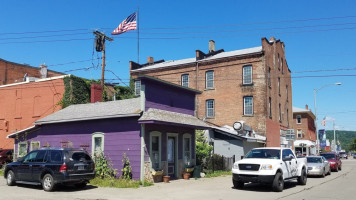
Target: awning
<point>157,116</point>
<point>307,143</point>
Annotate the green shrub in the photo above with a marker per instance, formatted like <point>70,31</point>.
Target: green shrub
<point>126,168</point>
<point>103,166</point>
<point>211,174</point>
<point>202,148</point>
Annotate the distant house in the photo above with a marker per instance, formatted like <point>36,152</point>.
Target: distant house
<point>304,128</point>
<point>156,130</point>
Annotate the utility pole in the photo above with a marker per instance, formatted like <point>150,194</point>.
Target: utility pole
<point>100,46</point>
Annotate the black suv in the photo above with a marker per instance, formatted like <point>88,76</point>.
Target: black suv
<point>52,166</point>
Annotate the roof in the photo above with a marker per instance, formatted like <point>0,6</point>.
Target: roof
<point>301,110</point>
<point>28,66</point>
<point>173,63</point>
<point>228,130</point>
<point>153,115</point>
<point>90,111</point>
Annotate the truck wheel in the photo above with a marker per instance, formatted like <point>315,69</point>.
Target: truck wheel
<point>10,178</point>
<point>238,184</point>
<point>278,183</point>
<point>48,183</point>
<point>302,179</point>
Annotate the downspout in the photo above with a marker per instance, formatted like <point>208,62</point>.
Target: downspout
<point>143,109</point>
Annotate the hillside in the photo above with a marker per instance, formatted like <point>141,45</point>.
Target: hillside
<point>345,138</point>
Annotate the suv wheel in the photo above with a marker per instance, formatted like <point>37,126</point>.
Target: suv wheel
<point>278,183</point>
<point>302,179</point>
<point>10,178</point>
<point>48,183</point>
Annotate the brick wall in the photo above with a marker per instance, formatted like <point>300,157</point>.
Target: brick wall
<point>307,126</point>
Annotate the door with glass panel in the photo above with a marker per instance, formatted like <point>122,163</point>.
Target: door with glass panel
<point>171,156</point>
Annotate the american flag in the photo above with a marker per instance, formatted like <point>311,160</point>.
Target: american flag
<point>130,23</point>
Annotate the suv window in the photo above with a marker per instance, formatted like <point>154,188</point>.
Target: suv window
<point>55,156</point>
<point>40,156</point>
<point>80,156</point>
<point>31,157</point>
<point>287,152</point>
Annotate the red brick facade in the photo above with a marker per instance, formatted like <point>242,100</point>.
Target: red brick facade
<point>229,91</point>
<point>305,126</point>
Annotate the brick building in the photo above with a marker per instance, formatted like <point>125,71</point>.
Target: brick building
<point>304,128</point>
<point>251,85</point>
<point>11,72</point>
<point>23,103</point>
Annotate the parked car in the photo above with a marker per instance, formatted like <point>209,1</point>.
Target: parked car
<point>270,165</point>
<point>334,160</point>
<point>343,154</point>
<point>354,155</point>
<point>51,166</point>
<point>5,156</point>
<point>318,165</point>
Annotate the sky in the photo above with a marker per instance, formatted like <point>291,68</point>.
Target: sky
<point>319,38</point>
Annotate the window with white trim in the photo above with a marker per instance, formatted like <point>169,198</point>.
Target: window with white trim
<point>247,74</point>
<point>187,149</point>
<point>248,105</point>
<point>299,133</point>
<point>210,108</point>
<point>155,150</point>
<point>137,87</point>
<point>97,143</point>
<point>299,119</point>
<point>22,149</point>
<point>185,80</point>
<point>209,79</point>
<point>35,145</point>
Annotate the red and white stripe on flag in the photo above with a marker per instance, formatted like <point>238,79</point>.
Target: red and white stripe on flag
<point>130,23</point>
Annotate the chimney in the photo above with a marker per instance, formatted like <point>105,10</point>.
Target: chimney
<point>306,107</point>
<point>272,39</point>
<point>43,70</point>
<point>211,46</point>
<point>96,93</point>
<point>150,60</point>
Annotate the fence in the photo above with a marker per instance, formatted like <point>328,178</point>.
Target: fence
<point>219,162</point>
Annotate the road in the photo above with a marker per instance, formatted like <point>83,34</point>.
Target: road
<point>339,185</point>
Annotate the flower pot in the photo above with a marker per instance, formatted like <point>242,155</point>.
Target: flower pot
<point>166,179</point>
<point>186,176</point>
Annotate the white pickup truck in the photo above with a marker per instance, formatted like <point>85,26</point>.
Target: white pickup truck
<point>269,165</point>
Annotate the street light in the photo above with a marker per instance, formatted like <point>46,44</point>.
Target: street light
<point>316,115</point>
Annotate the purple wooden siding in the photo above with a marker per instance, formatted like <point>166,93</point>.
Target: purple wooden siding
<point>166,97</point>
<point>120,136</point>
<point>163,129</point>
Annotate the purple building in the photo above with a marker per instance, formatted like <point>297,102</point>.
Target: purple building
<point>156,130</point>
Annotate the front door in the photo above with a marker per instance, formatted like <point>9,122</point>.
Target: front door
<point>171,154</point>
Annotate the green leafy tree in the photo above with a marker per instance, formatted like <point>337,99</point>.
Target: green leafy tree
<point>202,148</point>
<point>126,168</point>
<point>103,166</point>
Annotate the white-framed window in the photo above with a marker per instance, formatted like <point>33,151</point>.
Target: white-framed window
<point>185,80</point>
<point>247,74</point>
<point>35,145</point>
<point>299,119</point>
<point>299,133</point>
<point>187,149</point>
<point>155,150</point>
<point>137,87</point>
<point>248,105</point>
<point>210,107</point>
<point>97,143</point>
<point>209,79</point>
<point>22,149</point>
<point>270,107</point>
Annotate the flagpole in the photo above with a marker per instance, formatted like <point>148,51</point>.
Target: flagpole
<point>138,36</point>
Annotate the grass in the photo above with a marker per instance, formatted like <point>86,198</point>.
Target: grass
<point>2,171</point>
<point>217,173</point>
<point>118,183</point>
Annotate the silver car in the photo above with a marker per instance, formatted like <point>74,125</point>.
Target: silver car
<point>318,165</point>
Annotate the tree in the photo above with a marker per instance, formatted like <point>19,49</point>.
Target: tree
<point>202,148</point>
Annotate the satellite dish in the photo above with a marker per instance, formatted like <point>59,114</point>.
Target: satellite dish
<point>237,126</point>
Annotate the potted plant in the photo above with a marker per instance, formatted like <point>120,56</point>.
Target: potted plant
<point>157,175</point>
<point>166,178</point>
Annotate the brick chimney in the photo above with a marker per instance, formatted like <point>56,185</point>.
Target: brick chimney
<point>306,107</point>
<point>43,70</point>
<point>96,93</point>
<point>150,60</point>
<point>211,46</point>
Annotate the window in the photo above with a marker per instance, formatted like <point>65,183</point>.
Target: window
<point>30,157</point>
<point>209,79</point>
<point>270,107</point>
<point>299,119</point>
<point>35,145</point>
<point>210,108</point>
<point>248,105</point>
<point>269,77</point>
<point>282,65</point>
<point>299,133</point>
<point>279,85</point>
<point>280,112</point>
<point>287,92</point>
<point>137,87</point>
<point>187,149</point>
<point>40,156</point>
<point>279,64</point>
<point>155,150</point>
<point>247,75</point>
<point>287,117</point>
<point>22,149</point>
<point>55,156</point>
<point>97,143</point>
<point>185,80</point>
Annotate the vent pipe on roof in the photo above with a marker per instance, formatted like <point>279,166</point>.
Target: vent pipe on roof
<point>150,60</point>
<point>211,46</point>
<point>306,107</point>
